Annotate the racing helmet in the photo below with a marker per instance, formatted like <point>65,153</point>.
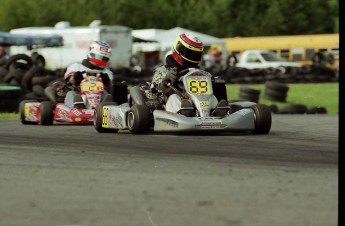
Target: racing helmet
<point>99,53</point>
<point>187,49</point>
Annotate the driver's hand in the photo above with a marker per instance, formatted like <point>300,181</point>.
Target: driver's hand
<point>105,78</point>
<point>77,78</point>
<point>171,75</point>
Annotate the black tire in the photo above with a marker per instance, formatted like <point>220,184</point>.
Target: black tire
<point>321,110</point>
<point>22,112</point>
<point>34,71</point>
<point>8,77</point>
<point>249,90</point>
<point>282,87</point>
<point>317,110</point>
<point>249,97</point>
<point>274,98</point>
<point>274,108</point>
<point>263,119</point>
<point>18,57</point>
<point>275,93</point>
<point>250,94</point>
<point>38,60</point>
<point>319,58</point>
<point>98,118</point>
<point>19,69</point>
<point>43,80</point>
<point>38,90</point>
<point>294,109</point>
<point>138,119</point>
<point>46,113</point>
<point>3,73</point>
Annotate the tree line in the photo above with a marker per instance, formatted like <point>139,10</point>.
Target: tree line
<point>220,18</point>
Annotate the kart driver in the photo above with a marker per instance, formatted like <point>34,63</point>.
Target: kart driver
<point>98,57</point>
<point>186,53</point>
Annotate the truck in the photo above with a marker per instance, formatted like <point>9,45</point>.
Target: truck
<point>252,59</point>
<point>76,41</point>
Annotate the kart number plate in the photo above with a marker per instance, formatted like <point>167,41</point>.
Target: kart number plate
<point>105,117</point>
<point>198,86</point>
<point>92,86</point>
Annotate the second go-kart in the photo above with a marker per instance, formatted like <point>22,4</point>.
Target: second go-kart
<point>148,113</point>
<point>46,112</point>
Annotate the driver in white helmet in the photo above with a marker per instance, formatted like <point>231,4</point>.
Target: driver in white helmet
<point>186,53</point>
<point>98,56</point>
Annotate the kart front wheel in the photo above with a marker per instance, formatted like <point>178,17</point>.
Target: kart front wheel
<point>100,118</point>
<point>138,119</point>
<point>263,119</point>
<point>22,112</point>
<point>46,113</point>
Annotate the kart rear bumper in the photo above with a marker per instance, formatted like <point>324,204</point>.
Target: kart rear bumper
<point>241,120</point>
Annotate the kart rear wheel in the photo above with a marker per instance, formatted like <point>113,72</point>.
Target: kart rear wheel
<point>22,112</point>
<point>263,119</point>
<point>98,118</point>
<point>46,113</point>
<point>138,119</point>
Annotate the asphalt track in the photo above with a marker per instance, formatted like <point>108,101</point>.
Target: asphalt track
<point>71,175</point>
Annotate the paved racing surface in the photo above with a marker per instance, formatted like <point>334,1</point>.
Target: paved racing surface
<point>71,175</point>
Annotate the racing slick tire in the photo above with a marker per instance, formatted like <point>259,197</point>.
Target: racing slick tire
<point>22,112</point>
<point>98,118</point>
<point>263,119</point>
<point>46,113</point>
<point>138,119</point>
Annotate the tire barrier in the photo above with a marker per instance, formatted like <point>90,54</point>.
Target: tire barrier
<point>317,110</point>
<point>314,73</point>
<point>276,91</point>
<point>23,78</point>
<point>298,109</point>
<point>250,94</point>
<point>294,109</point>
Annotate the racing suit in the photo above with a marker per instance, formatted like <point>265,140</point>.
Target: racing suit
<point>73,77</point>
<point>160,78</point>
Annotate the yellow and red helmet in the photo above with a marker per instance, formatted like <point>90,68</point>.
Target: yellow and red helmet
<point>187,49</point>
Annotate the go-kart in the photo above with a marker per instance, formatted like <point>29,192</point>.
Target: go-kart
<point>146,111</point>
<point>46,112</point>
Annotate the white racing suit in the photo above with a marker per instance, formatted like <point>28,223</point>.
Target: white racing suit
<point>174,100</point>
<point>69,99</point>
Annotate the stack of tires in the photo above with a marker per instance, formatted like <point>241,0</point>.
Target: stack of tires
<point>11,74</point>
<point>249,94</point>
<point>276,91</point>
<point>23,77</point>
<point>35,80</point>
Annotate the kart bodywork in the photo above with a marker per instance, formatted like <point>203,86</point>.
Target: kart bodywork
<point>46,112</point>
<point>152,116</point>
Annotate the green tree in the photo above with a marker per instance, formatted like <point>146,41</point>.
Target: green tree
<point>221,18</point>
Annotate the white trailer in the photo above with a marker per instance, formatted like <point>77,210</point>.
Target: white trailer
<point>76,41</point>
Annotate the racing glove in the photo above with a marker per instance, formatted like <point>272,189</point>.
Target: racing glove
<point>77,78</point>
<point>171,75</point>
<point>105,78</point>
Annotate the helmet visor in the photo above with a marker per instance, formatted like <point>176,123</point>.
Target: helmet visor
<point>99,57</point>
<point>188,54</point>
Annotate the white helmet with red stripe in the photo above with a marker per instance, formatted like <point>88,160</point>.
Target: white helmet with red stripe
<point>99,53</point>
<point>187,49</point>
